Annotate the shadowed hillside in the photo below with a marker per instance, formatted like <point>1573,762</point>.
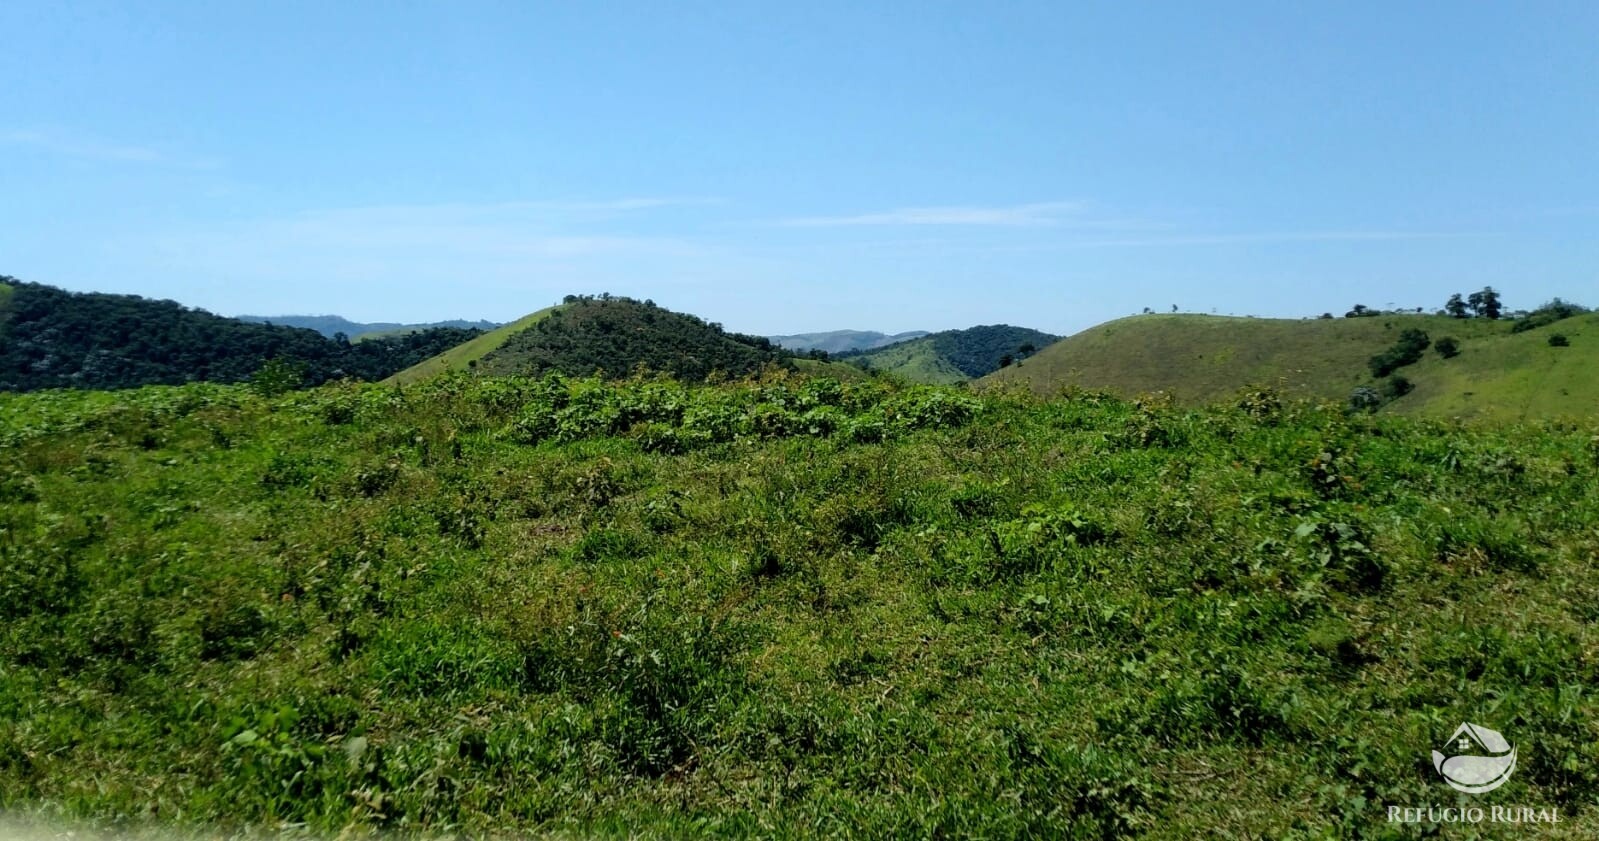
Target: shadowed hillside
<point>953,356</point>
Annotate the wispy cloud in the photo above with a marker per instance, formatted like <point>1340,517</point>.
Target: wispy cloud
<point>93,149</point>
<point>394,259</point>
<point>437,233</point>
<point>1037,214</point>
<point>1265,237</point>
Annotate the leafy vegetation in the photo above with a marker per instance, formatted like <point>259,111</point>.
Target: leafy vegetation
<point>786,606</point>
<point>1556,310</point>
<point>50,338</point>
<point>1406,350</point>
<point>614,335</point>
<point>1484,304</point>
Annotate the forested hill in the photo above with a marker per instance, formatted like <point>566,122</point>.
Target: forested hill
<point>614,336</point>
<point>952,356</point>
<point>51,338</point>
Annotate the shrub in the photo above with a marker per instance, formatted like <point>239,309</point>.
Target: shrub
<point>1559,340</point>
<point>277,376</point>
<point>1364,399</point>
<point>1398,387</point>
<point>1447,347</point>
<point>1405,351</point>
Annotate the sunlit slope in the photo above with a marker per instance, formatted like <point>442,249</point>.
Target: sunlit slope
<point>1512,376</point>
<point>916,361</point>
<point>460,357</point>
<point>954,356</point>
<point>1203,358</point>
<point>837,370</point>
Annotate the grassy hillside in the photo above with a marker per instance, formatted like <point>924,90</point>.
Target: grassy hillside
<point>1499,374</point>
<point>463,357</point>
<point>1205,358</point>
<point>1512,376</point>
<point>916,361</point>
<point>782,609</point>
<point>952,356</point>
<point>616,336</point>
<point>840,341</point>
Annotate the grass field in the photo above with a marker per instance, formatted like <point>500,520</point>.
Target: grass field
<point>1499,375</point>
<point>1512,376</point>
<point>461,357</point>
<point>785,608</point>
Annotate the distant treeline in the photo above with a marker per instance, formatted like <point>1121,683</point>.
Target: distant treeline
<point>51,338</point>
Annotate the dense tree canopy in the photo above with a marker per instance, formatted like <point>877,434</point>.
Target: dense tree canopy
<point>615,335</point>
<point>51,338</point>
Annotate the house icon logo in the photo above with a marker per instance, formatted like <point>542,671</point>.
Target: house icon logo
<point>1476,760</point>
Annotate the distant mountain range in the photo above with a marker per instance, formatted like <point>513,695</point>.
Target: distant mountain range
<point>332,325</point>
<point>841,341</point>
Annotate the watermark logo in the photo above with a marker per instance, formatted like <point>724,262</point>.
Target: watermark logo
<point>1476,760</point>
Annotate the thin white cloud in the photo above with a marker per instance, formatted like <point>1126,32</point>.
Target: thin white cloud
<point>85,148</point>
<point>396,234</point>
<point>1266,237</point>
<point>419,258</point>
<point>1037,214</point>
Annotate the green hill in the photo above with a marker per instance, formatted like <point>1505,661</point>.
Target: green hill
<point>1512,376</point>
<point>52,338</point>
<point>1500,373</point>
<point>953,356</point>
<point>1204,358</point>
<point>466,355</point>
<point>513,608</point>
<point>613,336</point>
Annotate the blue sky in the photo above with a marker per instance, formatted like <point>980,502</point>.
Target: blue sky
<point>804,166</point>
